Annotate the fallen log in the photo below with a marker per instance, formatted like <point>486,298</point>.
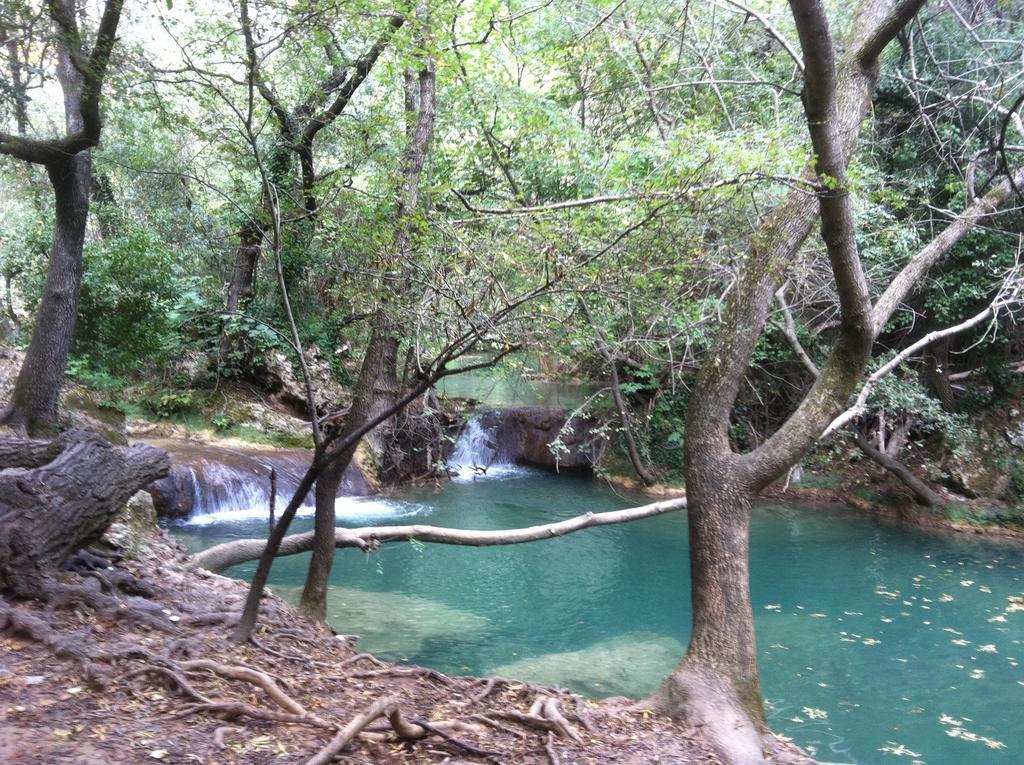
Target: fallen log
<point>223,556</point>
<point>63,498</point>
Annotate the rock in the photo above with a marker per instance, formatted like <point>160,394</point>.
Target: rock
<point>135,527</point>
<point>1015,434</point>
<point>393,625</point>
<point>192,367</point>
<point>284,382</point>
<point>626,665</point>
<point>526,435</point>
<point>173,496</point>
<point>86,410</point>
<point>257,416</point>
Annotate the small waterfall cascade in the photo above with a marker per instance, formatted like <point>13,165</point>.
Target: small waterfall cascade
<point>478,454</point>
<point>211,483</point>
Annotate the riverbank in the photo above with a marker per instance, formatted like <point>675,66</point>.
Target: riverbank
<point>859,488</point>
<point>171,687</point>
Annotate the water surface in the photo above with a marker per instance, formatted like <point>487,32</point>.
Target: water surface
<point>878,645</point>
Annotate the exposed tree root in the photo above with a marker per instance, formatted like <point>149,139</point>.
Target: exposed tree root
<point>180,683</point>
<point>549,749</point>
<point>287,656</point>
<point>402,672</point>
<point>709,702</point>
<point>489,685</point>
<point>221,732</point>
<point>255,677</point>
<point>231,710</point>
<point>545,715</point>
<point>403,728</point>
<point>363,657</point>
<point>465,747</point>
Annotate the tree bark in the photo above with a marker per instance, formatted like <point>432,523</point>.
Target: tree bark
<point>33,404</point>
<point>718,683</point>
<point>377,389</point>
<point>241,286</point>
<point>379,363</point>
<point>50,512</point>
<point>936,373</point>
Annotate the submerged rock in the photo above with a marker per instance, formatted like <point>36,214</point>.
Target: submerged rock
<point>394,625</point>
<point>626,665</point>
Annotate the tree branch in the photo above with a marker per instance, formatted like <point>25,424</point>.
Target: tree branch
<point>883,34</point>
<point>223,556</point>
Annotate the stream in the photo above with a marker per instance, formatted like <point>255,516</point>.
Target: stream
<point>878,644</point>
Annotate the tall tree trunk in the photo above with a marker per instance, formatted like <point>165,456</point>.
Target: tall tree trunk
<point>379,365</point>
<point>33,404</point>
<point>377,389</point>
<point>717,685</point>
<point>241,285</point>
<point>718,681</point>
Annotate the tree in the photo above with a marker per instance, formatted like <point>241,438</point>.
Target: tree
<point>378,387</point>
<point>717,684</point>
<point>33,405</point>
<point>297,129</point>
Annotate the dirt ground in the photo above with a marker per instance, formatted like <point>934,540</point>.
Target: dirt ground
<point>81,686</point>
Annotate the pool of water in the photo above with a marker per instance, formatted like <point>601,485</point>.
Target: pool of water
<point>878,644</point>
<point>502,388</point>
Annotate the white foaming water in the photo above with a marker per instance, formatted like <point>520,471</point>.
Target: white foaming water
<point>348,509</point>
<point>477,455</point>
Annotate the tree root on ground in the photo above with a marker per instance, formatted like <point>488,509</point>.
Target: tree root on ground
<point>403,728</point>
<point>549,749</point>
<point>186,677</point>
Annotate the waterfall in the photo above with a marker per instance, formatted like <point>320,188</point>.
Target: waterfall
<point>478,454</point>
<point>239,487</point>
<point>213,484</point>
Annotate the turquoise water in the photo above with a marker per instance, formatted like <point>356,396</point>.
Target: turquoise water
<point>878,645</point>
<point>502,388</point>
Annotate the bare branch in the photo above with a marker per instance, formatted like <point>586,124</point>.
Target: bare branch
<point>223,556</point>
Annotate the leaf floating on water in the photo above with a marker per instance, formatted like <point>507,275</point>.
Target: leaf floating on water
<point>898,749</point>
